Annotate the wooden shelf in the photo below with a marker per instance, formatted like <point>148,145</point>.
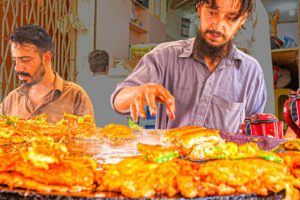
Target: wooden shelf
<point>287,56</point>
<point>139,34</point>
<point>133,26</point>
<point>179,3</point>
<point>288,59</point>
<point>284,50</point>
<point>139,4</point>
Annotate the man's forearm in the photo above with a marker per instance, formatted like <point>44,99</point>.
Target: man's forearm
<point>123,99</point>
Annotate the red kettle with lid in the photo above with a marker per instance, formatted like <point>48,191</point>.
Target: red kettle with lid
<point>291,111</point>
<point>263,125</point>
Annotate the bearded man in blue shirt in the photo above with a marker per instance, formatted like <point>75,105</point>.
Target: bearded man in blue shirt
<point>207,79</point>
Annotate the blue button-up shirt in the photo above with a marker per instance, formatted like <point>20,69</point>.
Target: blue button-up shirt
<point>220,99</point>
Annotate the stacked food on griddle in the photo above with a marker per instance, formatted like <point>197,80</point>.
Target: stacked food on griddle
<point>14,130</point>
<point>192,162</point>
<point>225,168</point>
<point>33,156</point>
<point>47,167</point>
<point>289,151</point>
<point>138,177</point>
<point>191,140</point>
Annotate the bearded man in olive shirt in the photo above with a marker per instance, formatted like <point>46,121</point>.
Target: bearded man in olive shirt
<point>209,81</point>
<point>42,89</point>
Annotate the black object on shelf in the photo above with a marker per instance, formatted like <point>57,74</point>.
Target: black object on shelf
<point>144,3</point>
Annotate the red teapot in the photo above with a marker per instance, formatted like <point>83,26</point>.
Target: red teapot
<point>262,125</point>
<point>291,111</point>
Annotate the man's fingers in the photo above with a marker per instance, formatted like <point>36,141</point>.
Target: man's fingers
<point>170,105</point>
<point>151,93</point>
<point>139,104</point>
<point>133,112</point>
<point>151,101</point>
<point>168,99</point>
<point>164,95</point>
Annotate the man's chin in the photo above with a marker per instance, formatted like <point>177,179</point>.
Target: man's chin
<point>213,48</point>
<point>215,44</point>
<point>27,83</point>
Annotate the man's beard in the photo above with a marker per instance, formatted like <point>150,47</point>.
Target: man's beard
<point>36,77</point>
<point>208,50</point>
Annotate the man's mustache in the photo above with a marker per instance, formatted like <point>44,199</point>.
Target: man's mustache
<point>215,33</point>
<point>23,74</point>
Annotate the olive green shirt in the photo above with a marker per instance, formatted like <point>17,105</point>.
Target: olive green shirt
<point>66,97</point>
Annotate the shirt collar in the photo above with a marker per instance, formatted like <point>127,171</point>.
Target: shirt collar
<point>58,86</point>
<point>234,54</point>
<point>189,50</point>
<point>59,83</point>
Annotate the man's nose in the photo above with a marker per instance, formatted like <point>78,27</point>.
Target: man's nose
<point>19,66</point>
<point>219,22</point>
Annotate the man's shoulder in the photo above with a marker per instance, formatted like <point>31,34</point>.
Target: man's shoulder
<point>249,64</point>
<point>14,93</point>
<point>13,97</point>
<point>70,85</point>
<point>248,59</point>
<point>174,45</point>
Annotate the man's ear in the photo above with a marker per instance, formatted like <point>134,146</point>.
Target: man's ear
<point>198,9</point>
<point>243,19</point>
<point>47,57</point>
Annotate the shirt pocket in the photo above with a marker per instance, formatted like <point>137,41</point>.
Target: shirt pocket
<point>225,115</point>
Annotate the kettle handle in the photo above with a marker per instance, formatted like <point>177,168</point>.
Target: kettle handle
<point>288,118</point>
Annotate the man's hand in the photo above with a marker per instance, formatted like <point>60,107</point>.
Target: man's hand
<point>149,94</point>
<point>135,98</point>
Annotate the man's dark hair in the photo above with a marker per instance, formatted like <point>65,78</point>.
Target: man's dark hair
<point>99,61</point>
<point>247,6</point>
<point>33,34</point>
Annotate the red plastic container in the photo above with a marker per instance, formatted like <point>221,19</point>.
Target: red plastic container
<point>291,112</point>
<point>263,125</point>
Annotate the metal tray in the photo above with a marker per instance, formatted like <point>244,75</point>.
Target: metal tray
<point>20,194</point>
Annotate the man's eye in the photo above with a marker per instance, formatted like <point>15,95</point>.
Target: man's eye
<point>231,17</point>
<point>212,13</point>
<point>25,61</point>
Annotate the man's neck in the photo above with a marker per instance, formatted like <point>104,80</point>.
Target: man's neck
<point>211,56</point>
<point>39,91</point>
<point>45,85</point>
<point>211,63</point>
